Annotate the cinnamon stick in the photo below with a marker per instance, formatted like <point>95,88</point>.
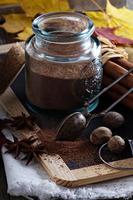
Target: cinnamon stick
<point>127,102</point>
<point>114,71</point>
<point>118,88</point>
<point>123,63</point>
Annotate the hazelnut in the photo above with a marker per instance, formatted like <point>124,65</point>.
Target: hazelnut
<point>113,119</point>
<point>100,135</point>
<point>116,144</point>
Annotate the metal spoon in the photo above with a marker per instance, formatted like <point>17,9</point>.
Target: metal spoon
<point>73,125</point>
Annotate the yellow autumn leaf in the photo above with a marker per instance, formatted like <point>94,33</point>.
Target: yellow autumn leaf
<point>23,22</point>
<point>122,14</point>
<point>8,1</point>
<point>60,5</point>
<point>115,17</point>
<point>99,18</point>
<point>123,17</point>
<point>25,33</point>
<point>16,22</point>
<point>33,7</point>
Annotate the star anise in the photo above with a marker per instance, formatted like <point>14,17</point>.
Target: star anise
<point>23,121</point>
<point>5,123</point>
<point>17,146</point>
<point>34,151</point>
<point>26,146</point>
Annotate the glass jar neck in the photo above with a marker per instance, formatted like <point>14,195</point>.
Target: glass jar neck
<point>59,25</point>
<point>65,49</point>
<point>66,34</point>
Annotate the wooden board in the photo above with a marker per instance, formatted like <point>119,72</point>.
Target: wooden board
<point>55,166</point>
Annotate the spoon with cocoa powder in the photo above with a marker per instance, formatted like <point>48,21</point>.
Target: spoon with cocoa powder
<point>73,125</point>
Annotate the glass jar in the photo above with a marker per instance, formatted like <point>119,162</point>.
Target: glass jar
<point>63,65</point>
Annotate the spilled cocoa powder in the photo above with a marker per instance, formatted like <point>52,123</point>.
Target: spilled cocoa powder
<point>77,154</point>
